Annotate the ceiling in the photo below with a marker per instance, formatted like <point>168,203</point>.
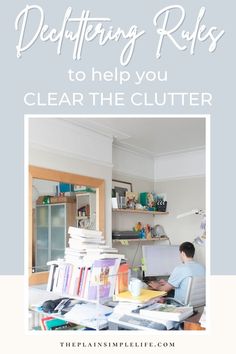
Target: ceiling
<point>154,136</point>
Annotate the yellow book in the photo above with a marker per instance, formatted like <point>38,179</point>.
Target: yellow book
<point>145,296</point>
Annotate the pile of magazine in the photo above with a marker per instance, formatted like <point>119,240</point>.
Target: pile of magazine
<point>167,312</point>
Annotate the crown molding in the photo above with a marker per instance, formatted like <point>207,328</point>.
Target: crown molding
<point>179,178</point>
<point>146,153</point>
<point>180,152</point>
<point>133,149</point>
<point>123,174</point>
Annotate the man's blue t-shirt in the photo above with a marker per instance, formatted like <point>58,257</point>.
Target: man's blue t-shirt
<point>179,277</point>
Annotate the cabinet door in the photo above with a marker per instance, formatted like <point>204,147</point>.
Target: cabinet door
<point>58,231</point>
<point>42,239</point>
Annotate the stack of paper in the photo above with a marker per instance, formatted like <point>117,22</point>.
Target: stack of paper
<point>82,239</point>
<point>89,315</point>
<point>88,245</point>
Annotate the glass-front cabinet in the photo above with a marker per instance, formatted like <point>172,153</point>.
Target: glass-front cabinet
<point>52,222</point>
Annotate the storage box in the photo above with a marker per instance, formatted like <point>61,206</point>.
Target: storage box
<point>65,187</point>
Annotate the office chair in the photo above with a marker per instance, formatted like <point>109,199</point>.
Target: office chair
<point>195,297</point>
<point>195,294</point>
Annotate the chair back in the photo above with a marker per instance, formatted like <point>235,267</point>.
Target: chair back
<point>196,294</point>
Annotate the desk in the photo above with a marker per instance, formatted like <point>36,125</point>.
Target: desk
<point>192,323</point>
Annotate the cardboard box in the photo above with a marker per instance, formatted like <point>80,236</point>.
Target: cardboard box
<point>62,199</point>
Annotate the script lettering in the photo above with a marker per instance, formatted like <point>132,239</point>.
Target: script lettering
<point>200,32</point>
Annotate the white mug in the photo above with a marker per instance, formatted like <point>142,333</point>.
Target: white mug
<point>135,287</point>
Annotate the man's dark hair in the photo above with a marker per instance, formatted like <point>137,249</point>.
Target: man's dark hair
<point>188,248</point>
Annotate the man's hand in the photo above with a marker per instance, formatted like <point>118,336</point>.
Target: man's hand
<point>162,282</point>
<point>154,285</point>
<point>162,285</point>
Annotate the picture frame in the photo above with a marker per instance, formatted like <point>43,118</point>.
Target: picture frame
<point>122,186</point>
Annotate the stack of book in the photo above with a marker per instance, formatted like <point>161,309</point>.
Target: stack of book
<point>89,243</point>
<point>89,269</point>
<point>51,323</point>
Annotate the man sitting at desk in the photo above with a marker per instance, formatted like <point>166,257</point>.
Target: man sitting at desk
<point>178,279</point>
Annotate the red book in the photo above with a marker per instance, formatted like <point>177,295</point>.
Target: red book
<point>43,320</point>
<point>122,278</point>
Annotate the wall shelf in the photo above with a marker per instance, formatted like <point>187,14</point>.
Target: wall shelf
<point>137,211</point>
<point>142,240</point>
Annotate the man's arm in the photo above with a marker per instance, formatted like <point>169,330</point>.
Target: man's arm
<point>161,285</point>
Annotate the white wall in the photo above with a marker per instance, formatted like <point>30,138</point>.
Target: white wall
<point>183,195</point>
<point>182,177</point>
<point>185,164</point>
<point>130,163</point>
<point>64,138</point>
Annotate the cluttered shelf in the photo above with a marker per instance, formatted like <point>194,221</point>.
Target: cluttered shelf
<point>80,313</point>
<point>152,212</point>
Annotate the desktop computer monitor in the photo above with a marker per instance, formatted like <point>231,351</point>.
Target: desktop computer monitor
<point>160,260</point>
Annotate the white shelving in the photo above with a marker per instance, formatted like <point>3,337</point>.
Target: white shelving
<point>86,210</point>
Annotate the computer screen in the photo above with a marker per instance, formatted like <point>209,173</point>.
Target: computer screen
<point>160,260</point>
